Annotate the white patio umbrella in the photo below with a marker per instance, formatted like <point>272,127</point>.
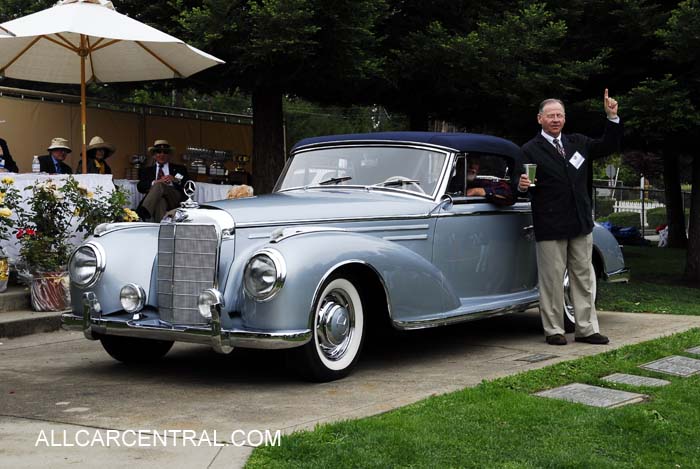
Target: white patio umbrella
<point>82,41</point>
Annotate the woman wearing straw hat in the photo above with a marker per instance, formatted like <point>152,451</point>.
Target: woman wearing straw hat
<point>97,152</point>
<point>53,162</point>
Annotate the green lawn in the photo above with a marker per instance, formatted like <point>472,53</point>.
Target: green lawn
<point>656,285</point>
<point>499,424</point>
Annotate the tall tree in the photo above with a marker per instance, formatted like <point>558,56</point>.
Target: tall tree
<point>662,115</point>
<point>681,41</point>
<point>469,62</point>
<point>277,47</point>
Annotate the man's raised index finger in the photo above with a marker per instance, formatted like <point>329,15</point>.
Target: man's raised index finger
<point>606,94</point>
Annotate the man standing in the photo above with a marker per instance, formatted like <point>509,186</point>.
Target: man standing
<point>562,218</point>
<point>53,163</point>
<point>162,183</point>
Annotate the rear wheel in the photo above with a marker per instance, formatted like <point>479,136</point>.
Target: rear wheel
<point>338,332</point>
<point>135,350</point>
<point>569,319</point>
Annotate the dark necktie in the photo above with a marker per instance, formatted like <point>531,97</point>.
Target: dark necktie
<point>559,148</point>
<point>161,174</point>
<point>58,168</point>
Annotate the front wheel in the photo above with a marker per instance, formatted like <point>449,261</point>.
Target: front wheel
<point>569,319</point>
<point>338,333</point>
<point>134,350</point>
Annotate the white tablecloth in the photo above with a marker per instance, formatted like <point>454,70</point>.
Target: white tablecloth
<point>205,192</point>
<point>91,181</point>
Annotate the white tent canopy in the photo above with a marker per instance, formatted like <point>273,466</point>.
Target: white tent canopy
<point>45,46</point>
<point>79,41</point>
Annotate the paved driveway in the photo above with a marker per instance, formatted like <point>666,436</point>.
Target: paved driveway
<point>61,382</point>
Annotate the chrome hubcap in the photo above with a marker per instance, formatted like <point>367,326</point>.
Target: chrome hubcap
<point>335,326</point>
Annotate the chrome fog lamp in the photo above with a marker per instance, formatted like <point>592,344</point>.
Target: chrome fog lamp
<point>264,274</point>
<point>86,264</point>
<point>132,298</point>
<point>208,298</point>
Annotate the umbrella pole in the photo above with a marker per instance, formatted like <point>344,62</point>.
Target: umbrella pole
<point>83,106</point>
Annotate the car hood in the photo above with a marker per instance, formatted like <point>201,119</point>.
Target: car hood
<point>321,205</point>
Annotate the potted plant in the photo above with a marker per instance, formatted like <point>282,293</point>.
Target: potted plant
<point>47,219</point>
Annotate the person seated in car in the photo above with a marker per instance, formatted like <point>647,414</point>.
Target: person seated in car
<point>495,191</point>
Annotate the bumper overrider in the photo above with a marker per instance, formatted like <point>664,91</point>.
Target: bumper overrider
<point>93,324</point>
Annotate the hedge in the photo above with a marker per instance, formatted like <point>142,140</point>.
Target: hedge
<point>657,216</point>
<point>603,207</point>
<point>622,219</point>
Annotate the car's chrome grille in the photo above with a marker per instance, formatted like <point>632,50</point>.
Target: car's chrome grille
<point>187,257</point>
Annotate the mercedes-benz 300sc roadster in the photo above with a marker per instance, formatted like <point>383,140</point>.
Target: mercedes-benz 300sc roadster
<point>359,230</point>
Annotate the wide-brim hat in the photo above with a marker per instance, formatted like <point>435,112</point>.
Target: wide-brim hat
<point>97,142</point>
<point>161,145</point>
<point>59,143</point>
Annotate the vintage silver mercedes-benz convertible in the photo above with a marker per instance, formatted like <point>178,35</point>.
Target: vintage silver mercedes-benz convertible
<point>360,230</point>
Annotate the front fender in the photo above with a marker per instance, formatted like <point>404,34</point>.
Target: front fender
<point>413,285</point>
<point>130,253</point>
<point>609,250</point>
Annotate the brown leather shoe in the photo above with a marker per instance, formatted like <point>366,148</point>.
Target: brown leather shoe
<point>597,339</point>
<point>556,339</point>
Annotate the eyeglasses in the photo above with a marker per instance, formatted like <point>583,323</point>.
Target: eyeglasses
<point>162,152</point>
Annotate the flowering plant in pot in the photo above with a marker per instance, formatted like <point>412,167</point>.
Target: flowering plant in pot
<point>47,219</point>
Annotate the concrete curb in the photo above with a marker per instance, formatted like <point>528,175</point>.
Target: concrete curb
<point>15,298</point>
<point>19,323</point>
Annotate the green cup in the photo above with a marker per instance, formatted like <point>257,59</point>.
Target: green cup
<point>530,170</point>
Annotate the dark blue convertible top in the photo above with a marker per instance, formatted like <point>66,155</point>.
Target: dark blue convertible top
<point>461,142</point>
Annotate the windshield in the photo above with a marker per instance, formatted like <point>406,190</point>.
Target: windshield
<point>402,168</point>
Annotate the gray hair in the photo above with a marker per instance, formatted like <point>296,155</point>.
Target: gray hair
<point>550,101</point>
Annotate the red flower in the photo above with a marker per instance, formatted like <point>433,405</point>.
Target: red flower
<point>25,232</point>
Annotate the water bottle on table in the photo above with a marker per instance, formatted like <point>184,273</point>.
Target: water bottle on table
<point>35,164</point>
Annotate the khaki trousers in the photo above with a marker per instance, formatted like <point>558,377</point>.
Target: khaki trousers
<point>553,258</point>
<point>160,199</point>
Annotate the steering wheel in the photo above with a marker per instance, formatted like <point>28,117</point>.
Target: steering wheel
<point>408,183</point>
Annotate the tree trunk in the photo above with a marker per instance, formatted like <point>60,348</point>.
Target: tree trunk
<point>268,138</point>
<point>674,202</point>
<point>692,260</point>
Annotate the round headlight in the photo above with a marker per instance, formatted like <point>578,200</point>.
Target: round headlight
<point>86,264</point>
<point>264,274</point>
<point>132,298</point>
<point>206,300</point>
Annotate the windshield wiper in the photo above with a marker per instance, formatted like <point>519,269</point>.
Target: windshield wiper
<point>398,182</point>
<point>334,180</point>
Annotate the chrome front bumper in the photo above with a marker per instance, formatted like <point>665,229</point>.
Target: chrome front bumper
<point>93,324</point>
<point>619,276</point>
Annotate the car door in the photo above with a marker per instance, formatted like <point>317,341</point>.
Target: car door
<point>486,252</point>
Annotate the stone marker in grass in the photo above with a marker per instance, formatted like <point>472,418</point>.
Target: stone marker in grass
<point>674,365</point>
<point>634,380</point>
<point>592,395</point>
<point>694,350</point>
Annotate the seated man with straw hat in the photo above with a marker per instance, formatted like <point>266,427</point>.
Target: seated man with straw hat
<point>53,162</point>
<point>162,183</point>
<point>97,152</point>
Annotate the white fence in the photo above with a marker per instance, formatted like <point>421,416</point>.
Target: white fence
<point>635,206</point>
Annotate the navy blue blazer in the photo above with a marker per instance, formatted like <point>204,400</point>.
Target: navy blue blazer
<point>561,205</point>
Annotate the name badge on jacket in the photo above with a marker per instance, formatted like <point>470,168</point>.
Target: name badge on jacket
<point>577,160</point>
